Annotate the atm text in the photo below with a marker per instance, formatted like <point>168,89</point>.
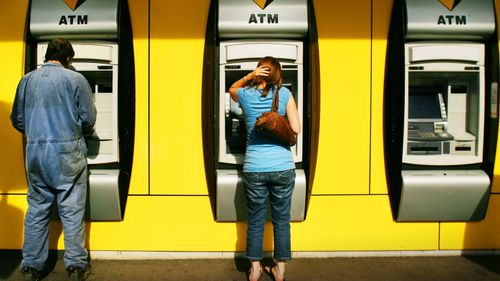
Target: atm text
<point>263,18</point>
<point>74,19</point>
<point>451,19</point>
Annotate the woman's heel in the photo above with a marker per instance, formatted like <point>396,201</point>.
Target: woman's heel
<point>275,274</point>
<point>254,275</point>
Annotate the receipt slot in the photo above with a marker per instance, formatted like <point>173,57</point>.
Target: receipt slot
<point>441,109</point>
<point>239,34</point>
<point>100,33</point>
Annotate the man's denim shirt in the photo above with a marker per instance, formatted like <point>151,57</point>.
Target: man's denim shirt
<point>53,104</point>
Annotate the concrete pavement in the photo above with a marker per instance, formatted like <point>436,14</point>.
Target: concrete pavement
<point>426,268</point>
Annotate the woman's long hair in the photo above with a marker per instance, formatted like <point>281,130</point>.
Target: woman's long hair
<point>273,79</point>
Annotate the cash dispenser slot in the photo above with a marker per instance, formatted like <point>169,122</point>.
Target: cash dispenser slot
<point>231,201</point>
<point>234,45</point>
<point>443,195</point>
<point>439,145</point>
<point>102,41</point>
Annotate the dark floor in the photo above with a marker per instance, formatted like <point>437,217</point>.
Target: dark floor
<point>456,268</point>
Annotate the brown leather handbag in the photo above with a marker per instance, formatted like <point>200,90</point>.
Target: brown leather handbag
<point>276,126</point>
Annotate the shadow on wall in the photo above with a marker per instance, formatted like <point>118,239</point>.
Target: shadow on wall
<point>11,223</point>
<point>241,263</point>
<point>485,234</point>
<point>12,183</point>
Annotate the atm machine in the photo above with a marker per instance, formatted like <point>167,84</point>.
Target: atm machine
<point>101,35</point>
<point>239,34</point>
<point>441,109</point>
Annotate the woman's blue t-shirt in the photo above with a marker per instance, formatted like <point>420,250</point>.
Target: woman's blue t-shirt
<point>263,154</point>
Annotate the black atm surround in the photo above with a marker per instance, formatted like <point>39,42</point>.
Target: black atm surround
<point>310,124</point>
<point>126,98</point>
<point>393,107</point>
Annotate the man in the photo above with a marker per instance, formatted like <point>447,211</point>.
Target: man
<point>54,109</point>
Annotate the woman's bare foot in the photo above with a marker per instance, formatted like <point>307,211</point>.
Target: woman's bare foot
<point>254,272</point>
<point>277,271</point>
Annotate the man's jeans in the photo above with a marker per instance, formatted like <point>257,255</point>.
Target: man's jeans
<point>58,173</point>
<point>259,187</point>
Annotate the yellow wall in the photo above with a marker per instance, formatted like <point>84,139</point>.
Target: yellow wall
<point>169,208</point>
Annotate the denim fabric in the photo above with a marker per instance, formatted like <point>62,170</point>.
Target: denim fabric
<point>260,186</point>
<point>60,174</point>
<point>54,109</point>
<point>53,104</point>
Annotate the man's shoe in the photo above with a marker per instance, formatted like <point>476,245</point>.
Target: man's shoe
<point>30,274</point>
<point>78,274</point>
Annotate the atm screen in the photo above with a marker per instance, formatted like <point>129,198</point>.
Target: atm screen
<point>424,103</point>
<point>100,81</point>
<point>236,133</point>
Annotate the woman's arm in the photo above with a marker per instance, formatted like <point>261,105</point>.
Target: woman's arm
<point>293,115</point>
<point>259,71</point>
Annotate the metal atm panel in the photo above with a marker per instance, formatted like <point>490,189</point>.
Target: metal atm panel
<point>279,19</point>
<point>230,196</point>
<point>237,58</point>
<point>434,195</point>
<point>93,19</point>
<point>443,126</point>
<point>245,32</point>
<point>430,19</point>
<point>96,29</point>
<point>444,104</point>
<point>441,109</point>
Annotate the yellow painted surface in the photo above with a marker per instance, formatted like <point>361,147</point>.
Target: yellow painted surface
<point>12,210</point>
<point>357,223</point>
<point>474,235</point>
<point>12,24</point>
<point>344,141</point>
<point>347,212</point>
<point>177,42</point>
<point>380,24</point>
<point>184,223</point>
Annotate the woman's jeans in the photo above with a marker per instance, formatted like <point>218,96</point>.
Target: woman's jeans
<point>259,188</point>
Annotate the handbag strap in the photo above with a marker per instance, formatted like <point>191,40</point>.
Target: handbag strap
<point>276,100</point>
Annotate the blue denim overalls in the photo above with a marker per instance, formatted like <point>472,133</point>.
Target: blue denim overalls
<point>54,108</point>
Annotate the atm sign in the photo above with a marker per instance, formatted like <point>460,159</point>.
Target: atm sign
<point>74,20</point>
<point>263,18</point>
<point>452,20</point>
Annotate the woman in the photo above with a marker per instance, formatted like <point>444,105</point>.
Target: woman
<point>269,169</point>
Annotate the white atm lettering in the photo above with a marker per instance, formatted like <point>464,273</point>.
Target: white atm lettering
<point>74,19</point>
<point>261,18</point>
<point>450,19</point>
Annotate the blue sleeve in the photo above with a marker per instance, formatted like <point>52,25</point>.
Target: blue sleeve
<point>17,114</point>
<point>285,95</point>
<point>241,96</point>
